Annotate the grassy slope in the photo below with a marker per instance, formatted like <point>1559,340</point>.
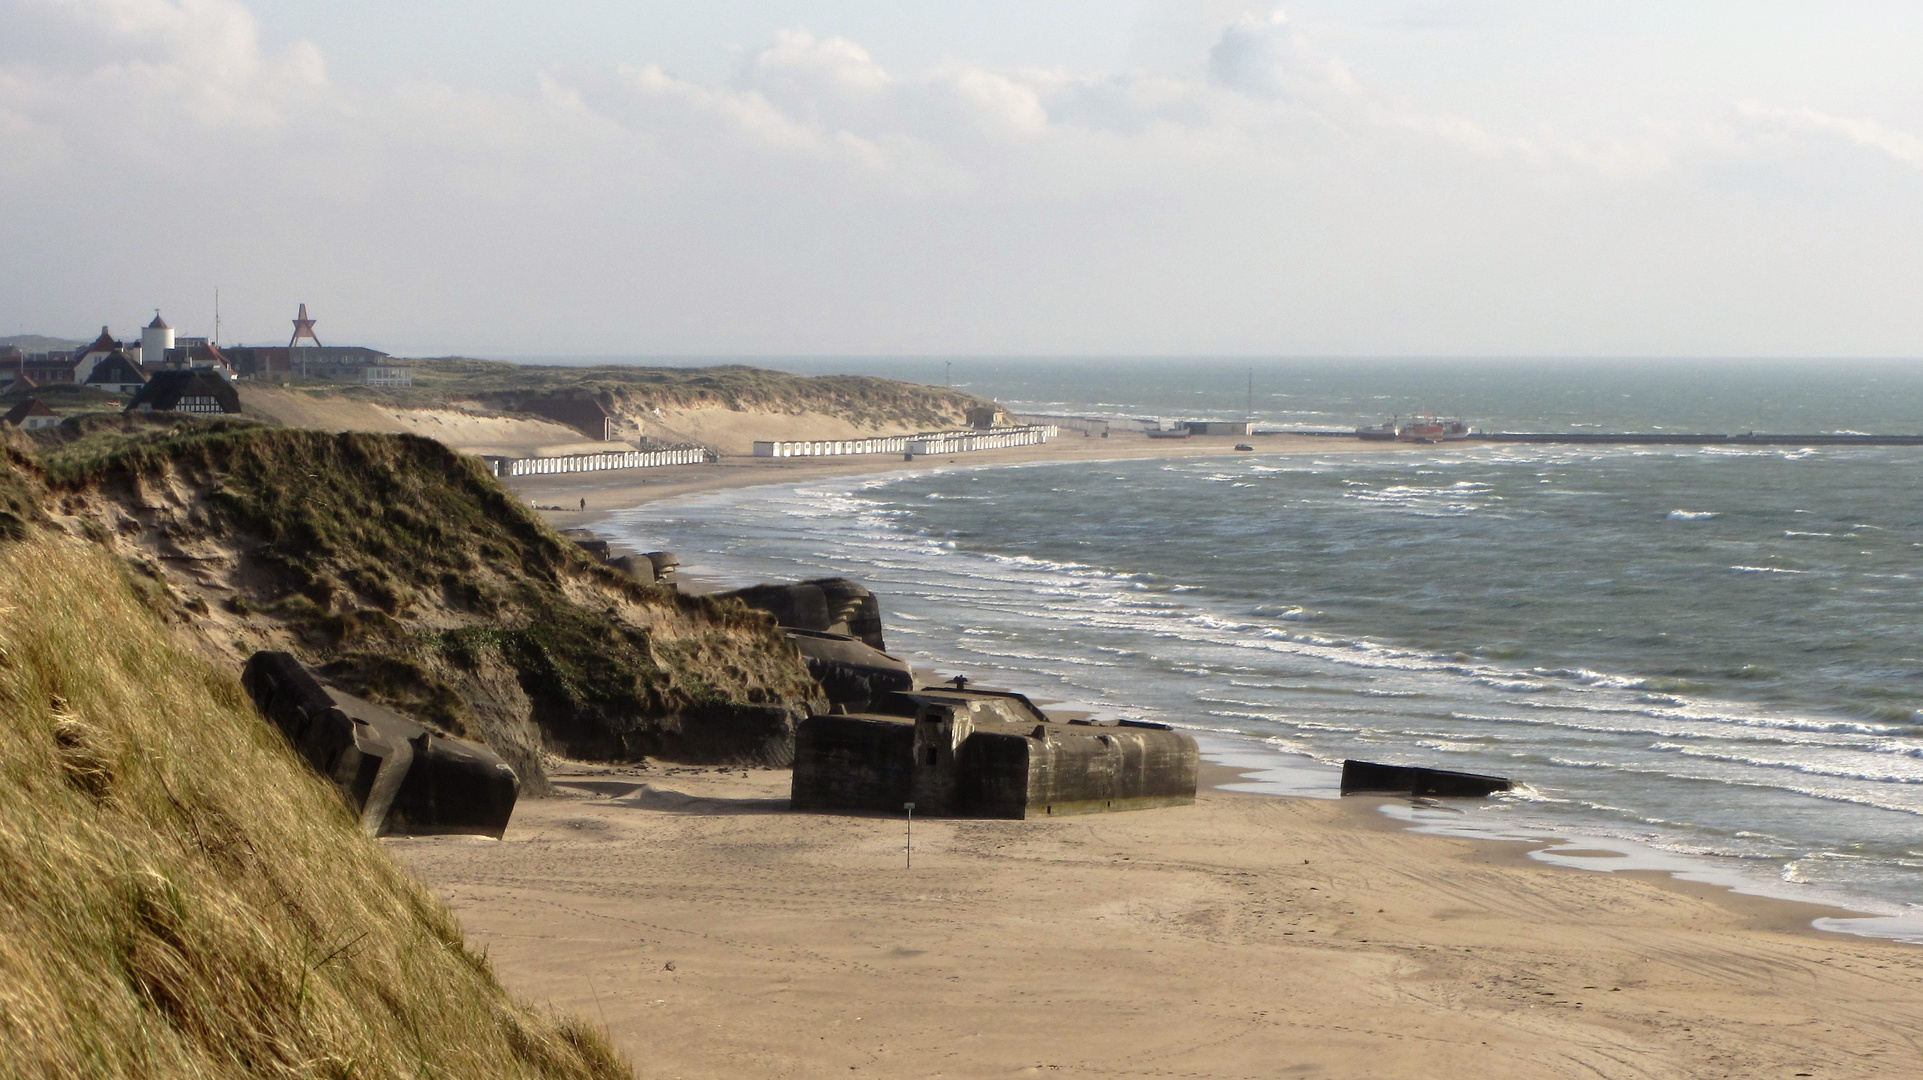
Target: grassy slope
<point>180,898</point>
<point>414,577</point>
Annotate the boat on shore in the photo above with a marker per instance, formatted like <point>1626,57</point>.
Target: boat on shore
<point>1383,432</point>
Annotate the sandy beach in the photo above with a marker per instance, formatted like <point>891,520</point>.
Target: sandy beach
<point>718,934</point>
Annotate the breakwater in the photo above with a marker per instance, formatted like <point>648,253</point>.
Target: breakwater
<point>1638,438</point>
<point>1659,438</point>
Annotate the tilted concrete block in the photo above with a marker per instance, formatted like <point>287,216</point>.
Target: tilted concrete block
<point>828,605</point>
<point>401,777</point>
<point>850,673</point>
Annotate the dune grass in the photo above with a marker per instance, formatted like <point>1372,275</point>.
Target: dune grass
<point>635,389</point>
<point>404,566</point>
<point>179,897</point>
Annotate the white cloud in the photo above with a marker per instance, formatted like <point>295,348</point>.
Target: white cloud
<point>1263,56</point>
<point>1900,146</point>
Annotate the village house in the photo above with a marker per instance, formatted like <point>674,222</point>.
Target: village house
<point>194,390</point>
<point>116,374</point>
<point>31,415</point>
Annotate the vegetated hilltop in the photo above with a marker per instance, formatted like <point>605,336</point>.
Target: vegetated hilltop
<point>179,895</point>
<point>34,343</point>
<point>860,399</point>
<point>724,407</point>
<point>406,573</point>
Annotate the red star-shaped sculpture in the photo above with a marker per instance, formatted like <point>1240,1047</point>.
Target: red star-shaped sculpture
<point>303,328</point>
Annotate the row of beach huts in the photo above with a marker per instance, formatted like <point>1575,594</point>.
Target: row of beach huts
<point>958,441</point>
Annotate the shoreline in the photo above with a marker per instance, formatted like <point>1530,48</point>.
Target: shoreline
<point>718,933</point>
<point>610,496</point>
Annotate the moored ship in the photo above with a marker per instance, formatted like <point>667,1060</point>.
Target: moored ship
<point>1425,428</point>
<point>1428,428</point>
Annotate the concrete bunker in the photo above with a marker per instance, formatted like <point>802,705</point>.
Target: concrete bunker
<point>826,605</point>
<point>975,753</point>
<point>400,777</point>
<point>850,673</point>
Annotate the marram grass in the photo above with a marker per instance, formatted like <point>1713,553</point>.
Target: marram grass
<point>179,897</point>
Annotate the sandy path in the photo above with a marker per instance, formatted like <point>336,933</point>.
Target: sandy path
<point>1242,937</point>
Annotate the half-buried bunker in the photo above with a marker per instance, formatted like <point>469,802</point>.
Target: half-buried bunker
<point>973,753</point>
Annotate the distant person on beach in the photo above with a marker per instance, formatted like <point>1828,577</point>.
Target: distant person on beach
<point>584,504</point>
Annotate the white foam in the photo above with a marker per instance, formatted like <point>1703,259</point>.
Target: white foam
<point>1693,515</point>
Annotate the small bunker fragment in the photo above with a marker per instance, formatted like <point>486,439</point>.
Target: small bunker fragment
<point>973,753</point>
<point>828,605</point>
<point>850,673</point>
<point>1372,778</point>
<point>401,777</point>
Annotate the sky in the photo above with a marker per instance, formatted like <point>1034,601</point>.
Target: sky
<point>1525,178</point>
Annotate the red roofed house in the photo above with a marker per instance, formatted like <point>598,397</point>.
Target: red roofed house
<point>87,356</point>
<point>31,415</point>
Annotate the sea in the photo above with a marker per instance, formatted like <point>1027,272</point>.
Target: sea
<point>1706,660</point>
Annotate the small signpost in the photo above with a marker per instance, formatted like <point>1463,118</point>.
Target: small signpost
<point>910,807</point>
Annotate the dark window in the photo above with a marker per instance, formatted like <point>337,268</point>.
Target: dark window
<point>931,756</point>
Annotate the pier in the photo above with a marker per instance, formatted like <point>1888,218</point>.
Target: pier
<point>1654,438</point>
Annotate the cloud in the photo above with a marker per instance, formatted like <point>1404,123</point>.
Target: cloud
<point>820,198</point>
<point>1263,56</point>
<point>82,78</point>
<point>1900,146</point>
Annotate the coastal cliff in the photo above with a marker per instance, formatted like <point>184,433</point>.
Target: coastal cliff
<point>406,574</point>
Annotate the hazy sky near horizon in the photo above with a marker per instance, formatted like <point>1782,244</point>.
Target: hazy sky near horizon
<point>1327,177</point>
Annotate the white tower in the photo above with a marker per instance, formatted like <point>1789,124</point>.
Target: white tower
<point>155,340</point>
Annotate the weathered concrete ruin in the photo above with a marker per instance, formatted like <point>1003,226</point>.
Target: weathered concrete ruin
<point>850,673</point>
<point>971,753</point>
<point>1371,778</point>
<point>651,568</point>
<point>402,778</point>
<point>826,605</point>
<point>836,623</point>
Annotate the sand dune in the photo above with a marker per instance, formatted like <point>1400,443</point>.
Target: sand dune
<point>473,432</point>
<point>1242,937</point>
<point>477,432</point>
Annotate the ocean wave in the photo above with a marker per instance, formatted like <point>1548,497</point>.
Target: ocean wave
<point>1766,570</point>
<point>1282,612</point>
<point>1693,515</point>
<point>1514,686</point>
<point>1811,767</point>
<point>1586,677</point>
